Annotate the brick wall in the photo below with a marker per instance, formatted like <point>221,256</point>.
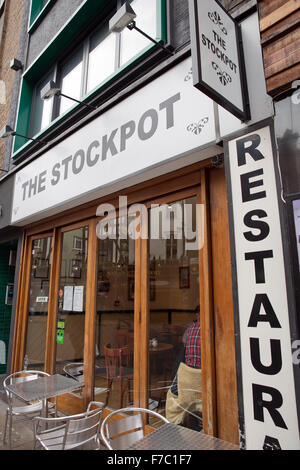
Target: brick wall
<point>13,12</point>
<point>6,276</point>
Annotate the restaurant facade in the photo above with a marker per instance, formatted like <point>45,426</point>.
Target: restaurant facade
<point>147,208</point>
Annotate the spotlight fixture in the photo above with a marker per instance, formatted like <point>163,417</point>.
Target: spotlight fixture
<point>7,131</point>
<point>125,18</point>
<point>51,89</point>
<point>16,65</point>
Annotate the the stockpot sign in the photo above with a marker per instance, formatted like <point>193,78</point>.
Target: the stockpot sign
<point>218,67</point>
<point>163,120</point>
<point>268,388</point>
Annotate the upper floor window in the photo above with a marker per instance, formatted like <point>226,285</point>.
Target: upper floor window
<point>131,42</point>
<point>98,58</point>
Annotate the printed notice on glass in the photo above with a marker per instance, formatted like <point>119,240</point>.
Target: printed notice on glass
<point>68,298</point>
<point>78,299</point>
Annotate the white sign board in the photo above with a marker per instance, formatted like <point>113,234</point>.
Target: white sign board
<point>268,388</point>
<point>165,119</point>
<point>217,55</point>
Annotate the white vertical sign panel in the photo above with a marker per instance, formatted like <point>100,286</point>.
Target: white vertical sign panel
<point>270,413</point>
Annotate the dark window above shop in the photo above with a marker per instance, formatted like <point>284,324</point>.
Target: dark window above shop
<point>82,66</point>
<point>287,126</point>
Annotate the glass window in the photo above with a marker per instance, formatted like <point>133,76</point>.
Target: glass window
<point>71,80</point>
<point>101,58</point>
<point>132,42</point>
<point>287,126</point>
<point>296,212</point>
<point>41,257</point>
<point>175,377</point>
<point>71,298</point>
<point>42,109</point>
<point>115,316</point>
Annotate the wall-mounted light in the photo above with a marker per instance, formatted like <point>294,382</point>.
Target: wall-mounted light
<point>7,131</point>
<point>16,65</point>
<point>125,18</point>
<point>51,89</point>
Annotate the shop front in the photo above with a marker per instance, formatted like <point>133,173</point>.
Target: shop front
<point>129,246</point>
<point>132,268</point>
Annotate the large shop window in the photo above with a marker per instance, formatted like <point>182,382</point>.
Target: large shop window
<point>71,299</point>
<point>98,60</point>
<point>38,10</point>
<point>174,358</point>
<point>41,259</point>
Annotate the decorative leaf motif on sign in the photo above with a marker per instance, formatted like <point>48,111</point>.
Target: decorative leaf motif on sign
<point>224,77</point>
<point>216,18</point>
<point>189,75</point>
<point>196,127</point>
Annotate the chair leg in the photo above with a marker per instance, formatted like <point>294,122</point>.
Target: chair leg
<point>10,431</point>
<point>108,387</point>
<point>5,427</point>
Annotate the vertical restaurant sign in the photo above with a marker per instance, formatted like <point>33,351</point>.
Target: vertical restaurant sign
<point>218,69</point>
<point>267,376</point>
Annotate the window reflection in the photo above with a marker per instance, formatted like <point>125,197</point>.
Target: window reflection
<point>41,258</point>
<point>71,75</point>
<point>71,298</point>
<point>133,42</point>
<point>287,129</point>
<point>115,318</point>
<point>174,350</point>
<point>42,109</point>
<point>101,58</point>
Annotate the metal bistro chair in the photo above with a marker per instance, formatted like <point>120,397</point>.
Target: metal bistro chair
<point>112,431</point>
<point>70,432</point>
<point>16,407</point>
<point>74,370</point>
<point>118,368</point>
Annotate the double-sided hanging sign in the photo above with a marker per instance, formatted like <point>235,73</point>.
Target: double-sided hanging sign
<point>217,53</point>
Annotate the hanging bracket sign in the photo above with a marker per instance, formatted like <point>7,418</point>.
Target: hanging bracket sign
<point>217,53</point>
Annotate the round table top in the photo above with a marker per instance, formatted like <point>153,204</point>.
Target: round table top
<point>161,347</point>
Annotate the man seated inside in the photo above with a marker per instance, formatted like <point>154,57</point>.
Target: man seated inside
<point>184,398</point>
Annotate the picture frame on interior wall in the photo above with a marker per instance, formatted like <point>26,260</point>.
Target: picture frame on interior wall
<point>184,277</point>
<point>41,268</point>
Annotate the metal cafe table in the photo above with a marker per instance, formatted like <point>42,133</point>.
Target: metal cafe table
<point>174,437</point>
<point>44,388</point>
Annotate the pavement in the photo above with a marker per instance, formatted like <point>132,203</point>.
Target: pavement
<point>22,431</point>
